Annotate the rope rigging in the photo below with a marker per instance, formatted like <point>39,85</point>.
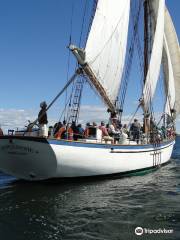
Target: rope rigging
<point>74,105</point>
<point>126,74</point>
<point>83,21</point>
<point>68,61</point>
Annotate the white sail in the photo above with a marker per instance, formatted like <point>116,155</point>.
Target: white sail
<point>106,44</point>
<point>168,79</point>
<point>174,51</point>
<point>158,7</point>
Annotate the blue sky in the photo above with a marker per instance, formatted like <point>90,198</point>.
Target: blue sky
<point>33,55</point>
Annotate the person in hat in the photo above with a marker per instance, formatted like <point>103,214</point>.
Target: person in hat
<point>42,119</point>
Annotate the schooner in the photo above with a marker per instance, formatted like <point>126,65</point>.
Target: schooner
<point>105,63</point>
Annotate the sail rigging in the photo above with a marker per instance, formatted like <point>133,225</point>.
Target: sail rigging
<point>168,79</point>
<point>158,7</point>
<point>174,51</point>
<point>103,59</point>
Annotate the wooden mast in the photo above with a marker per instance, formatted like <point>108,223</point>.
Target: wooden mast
<point>80,56</point>
<point>146,35</point>
<point>146,60</point>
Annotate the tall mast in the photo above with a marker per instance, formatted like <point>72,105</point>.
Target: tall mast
<point>146,37</point>
<point>146,59</point>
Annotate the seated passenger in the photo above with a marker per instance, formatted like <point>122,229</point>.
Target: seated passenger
<point>114,131</point>
<point>69,132</point>
<point>105,135</point>
<point>61,133</point>
<point>123,138</point>
<point>57,126</point>
<point>125,129</point>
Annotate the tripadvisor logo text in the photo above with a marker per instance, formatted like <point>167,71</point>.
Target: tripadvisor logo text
<point>139,231</point>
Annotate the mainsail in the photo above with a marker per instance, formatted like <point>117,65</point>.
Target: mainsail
<point>158,7</point>
<point>168,79</point>
<point>106,44</point>
<point>174,51</point>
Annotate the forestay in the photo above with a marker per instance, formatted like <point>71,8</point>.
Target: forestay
<point>168,79</point>
<point>106,44</point>
<point>174,52</point>
<point>158,7</point>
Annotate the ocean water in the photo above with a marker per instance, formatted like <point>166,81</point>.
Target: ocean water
<point>93,210</point>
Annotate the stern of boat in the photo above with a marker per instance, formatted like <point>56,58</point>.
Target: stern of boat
<point>29,158</point>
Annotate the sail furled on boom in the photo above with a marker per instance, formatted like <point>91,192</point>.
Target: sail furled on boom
<point>158,8</point>
<point>168,79</point>
<point>106,44</point>
<point>174,51</point>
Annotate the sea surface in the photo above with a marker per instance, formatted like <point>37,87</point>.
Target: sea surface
<point>93,210</point>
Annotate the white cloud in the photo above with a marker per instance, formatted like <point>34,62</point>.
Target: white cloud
<point>90,113</point>
<point>15,118</point>
<point>18,118</point>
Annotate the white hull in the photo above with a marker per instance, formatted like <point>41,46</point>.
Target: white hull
<point>39,159</point>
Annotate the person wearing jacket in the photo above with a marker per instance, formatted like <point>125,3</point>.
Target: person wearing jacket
<point>42,119</point>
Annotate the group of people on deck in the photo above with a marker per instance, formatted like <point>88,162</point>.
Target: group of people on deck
<point>113,132</point>
<point>68,131</point>
<point>109,132</point>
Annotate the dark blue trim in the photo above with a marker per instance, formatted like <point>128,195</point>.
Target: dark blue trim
<point>88,145</point>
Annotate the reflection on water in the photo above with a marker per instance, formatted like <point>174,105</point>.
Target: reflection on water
<point>106,209</point>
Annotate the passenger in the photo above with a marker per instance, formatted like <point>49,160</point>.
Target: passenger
<point>69,132</point>
<point>75,130</point>
<point>80,131</point>
<point>56,127</point>
<point>105,135</point>
<point>170,133</point>
<point>114,131</point>
<point>42,119</point>
<point>113,117</point>
<point>94,124</point>
<point>164,132</point>
<point>61,133</point>
<point>152,125</point>
<point>119,127</point>
<point>86,132</point>
<point>125,129</point>
<point>135,130</point>
<point>123,138</point>
<point>50,132</point>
